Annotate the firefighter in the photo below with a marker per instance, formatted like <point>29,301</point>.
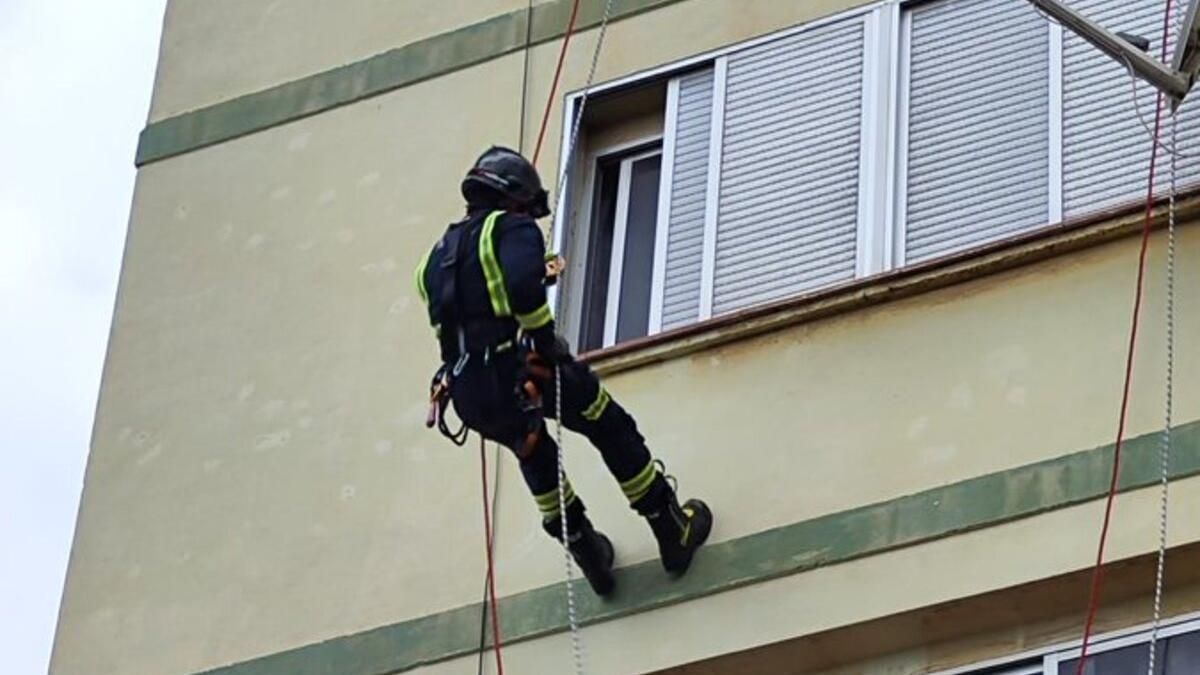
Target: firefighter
<point>484,285</point>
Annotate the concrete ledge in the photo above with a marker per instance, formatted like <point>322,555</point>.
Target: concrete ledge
<point>940,512</point>
<point>1007,254</point>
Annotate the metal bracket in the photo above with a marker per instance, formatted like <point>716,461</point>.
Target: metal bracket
<point>1171,81</point>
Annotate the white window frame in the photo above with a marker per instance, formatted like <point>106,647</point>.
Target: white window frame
<point>589,181</point>
<point>1054,655</point>
<point>898,204</point>
<point>665,184</point>
<point>712,194</point>
<point>616,263</point>
<point>1117,641</point>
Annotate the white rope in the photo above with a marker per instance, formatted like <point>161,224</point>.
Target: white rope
<point>577,652</point>
<point>559,196</point>
<point>1164,456</point>
<point>572,616</point>
<point>1173,149</point>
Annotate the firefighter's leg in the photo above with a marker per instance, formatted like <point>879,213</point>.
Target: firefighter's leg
<point>589,409</point>
<point>590,548</point>
<point>485,398</point>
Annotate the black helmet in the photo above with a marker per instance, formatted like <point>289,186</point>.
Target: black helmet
<point>502,171</point>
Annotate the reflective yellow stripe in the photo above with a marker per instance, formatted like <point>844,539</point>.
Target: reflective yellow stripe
<point>547,502</point>
<point>596,409</point>
<point>687,529</point>
<point>635,488</point>
<point>491,266</point>
<point>422,289</point>
<point>537,318</point>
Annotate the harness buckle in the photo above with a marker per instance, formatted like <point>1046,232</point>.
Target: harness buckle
<point>439,400</point>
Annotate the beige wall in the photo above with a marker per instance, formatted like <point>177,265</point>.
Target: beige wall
<point>215,50</point>
<point>260,477</point>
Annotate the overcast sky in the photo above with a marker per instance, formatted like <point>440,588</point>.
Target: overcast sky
<point>75,81</point>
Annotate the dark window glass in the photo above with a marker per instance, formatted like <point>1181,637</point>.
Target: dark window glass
<point>599,252</point>
<point>637,272</point>
<point>1183,654</point>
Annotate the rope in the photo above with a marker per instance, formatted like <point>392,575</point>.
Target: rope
<point>1171,150</point>
<point>491,568</point>
<point>1164,455</point>
<point>489,576</point>
<point>525,76</point>
<point>559,197</point>
<point>1098,569</point>
<point>562,56</point>
<point>572,616</point>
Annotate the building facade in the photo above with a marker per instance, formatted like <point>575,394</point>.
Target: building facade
<point>862,270</point>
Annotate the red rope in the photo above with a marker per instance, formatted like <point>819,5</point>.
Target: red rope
<point>491,569</point>
<point>1098,569</point>
<point>562,55</point>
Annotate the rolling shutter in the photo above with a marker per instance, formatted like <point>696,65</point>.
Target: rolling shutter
<point>685,230</point>
<point>790,162</point>
<point>978,125</point>
<point>1106,149</point>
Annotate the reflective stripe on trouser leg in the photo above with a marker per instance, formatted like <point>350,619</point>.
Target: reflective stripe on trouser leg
<point>547,502</point>
<point>635,488</point>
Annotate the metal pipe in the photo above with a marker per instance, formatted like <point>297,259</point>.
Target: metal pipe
<point>1171,82</point>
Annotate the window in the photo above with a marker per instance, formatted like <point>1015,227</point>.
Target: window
<point>1174,655</point>
<point>1177,653</point>
<point>884,136</point>
<point>621,248</point>
<point>976,155</point>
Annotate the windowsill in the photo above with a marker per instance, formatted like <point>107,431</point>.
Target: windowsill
<point>1023,249</point>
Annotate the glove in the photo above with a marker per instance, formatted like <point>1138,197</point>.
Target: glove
<point>549,346</point>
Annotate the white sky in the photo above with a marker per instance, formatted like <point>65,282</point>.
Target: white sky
<point>75,82</point>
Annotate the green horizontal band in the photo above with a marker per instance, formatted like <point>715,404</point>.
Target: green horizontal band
<point>406,65</point>
<point>937,513</point>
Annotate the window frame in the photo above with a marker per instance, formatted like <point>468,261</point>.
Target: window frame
<point>1119,640</point>
<point>616,263</point>
<point>648,145</point>
<point>1051,656</point>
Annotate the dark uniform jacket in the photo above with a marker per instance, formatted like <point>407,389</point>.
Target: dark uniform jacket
<point>484,280</point>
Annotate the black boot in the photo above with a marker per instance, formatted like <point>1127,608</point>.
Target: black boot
<point>592,551</point>
<point>680,530</point>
